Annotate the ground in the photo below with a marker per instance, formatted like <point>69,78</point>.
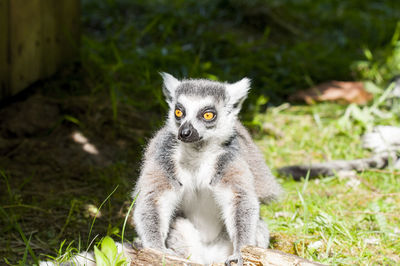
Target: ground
<point>347,219</point>
<point>60,159</point>
<point>72,145</point>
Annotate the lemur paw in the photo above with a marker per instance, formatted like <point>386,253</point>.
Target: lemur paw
<point>237,258</point>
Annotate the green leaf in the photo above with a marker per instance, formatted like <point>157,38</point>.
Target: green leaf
<point>121,260</point>
<point>372,87</point>
<point>112,230</point>
<point>120,263</point>
<point>101,259</point>
<point>108,248</point>
<point>72,119</point>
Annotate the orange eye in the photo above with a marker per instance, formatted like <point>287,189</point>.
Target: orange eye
<point>178,113</point>
<point>208,116</point>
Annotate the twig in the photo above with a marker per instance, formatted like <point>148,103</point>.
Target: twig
<point>384,171</point>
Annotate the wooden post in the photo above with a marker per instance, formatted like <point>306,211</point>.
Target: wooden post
<point>37,38</point>
<point>4,80</point>
<point>25,42</point>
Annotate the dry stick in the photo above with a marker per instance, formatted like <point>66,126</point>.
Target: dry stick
<point>384,171</point>
<point>373,213</point>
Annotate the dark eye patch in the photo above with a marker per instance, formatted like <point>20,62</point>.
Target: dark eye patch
<point>180,107</point>
<point>207,109</point>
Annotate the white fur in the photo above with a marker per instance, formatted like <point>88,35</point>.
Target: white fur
<point>170,83</point>
<point>200,252</point>
<point>166,205</point>
<point>204,223</point>
<point>238,92</point>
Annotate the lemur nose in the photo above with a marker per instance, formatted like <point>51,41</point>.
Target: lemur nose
<point>186,132</point>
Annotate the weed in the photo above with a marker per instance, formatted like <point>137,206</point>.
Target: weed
<point>108,254</point>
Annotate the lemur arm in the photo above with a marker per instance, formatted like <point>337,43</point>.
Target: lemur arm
<point>240,208</point>
<point>154,208</point>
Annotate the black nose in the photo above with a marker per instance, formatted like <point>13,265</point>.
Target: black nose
<point>187,133</point>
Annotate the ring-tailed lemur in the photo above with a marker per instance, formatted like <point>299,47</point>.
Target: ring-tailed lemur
<point>202,177</point>
<point>384,141</point>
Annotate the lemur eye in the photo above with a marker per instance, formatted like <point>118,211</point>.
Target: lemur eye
<point>208,115</point>
<point>178,113</point>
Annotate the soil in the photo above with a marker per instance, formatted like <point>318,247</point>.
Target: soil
<point>61,153</point>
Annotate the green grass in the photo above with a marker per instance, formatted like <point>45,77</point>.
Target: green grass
<point>356,218</point>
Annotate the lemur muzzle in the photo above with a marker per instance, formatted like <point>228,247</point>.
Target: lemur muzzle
<point>187,133</point>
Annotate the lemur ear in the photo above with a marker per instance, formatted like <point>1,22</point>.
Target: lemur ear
<point>170,85</point>
<point>238,93</point>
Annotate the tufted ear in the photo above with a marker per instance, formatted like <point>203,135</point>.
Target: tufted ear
<point>169,87</point>
<point>237,93</point>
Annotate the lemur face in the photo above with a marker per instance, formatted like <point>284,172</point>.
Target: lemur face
<point>197,118</point>
<point>203,110</point>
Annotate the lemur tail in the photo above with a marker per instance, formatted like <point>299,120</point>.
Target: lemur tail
<point>383,141</point>
<point>331,168</point>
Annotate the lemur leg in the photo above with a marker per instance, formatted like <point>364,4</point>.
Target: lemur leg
<point>240,208</point>
<point>154,208</point>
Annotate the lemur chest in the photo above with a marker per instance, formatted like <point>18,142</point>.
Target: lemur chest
<point>195,172</point>
<point>195,169</point>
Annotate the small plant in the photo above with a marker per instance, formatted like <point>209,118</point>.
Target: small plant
<point>383,64</point>
<point>108,254</point>
<point>369,116</point>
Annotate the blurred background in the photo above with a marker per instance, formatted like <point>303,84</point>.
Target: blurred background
<point>77,110</point>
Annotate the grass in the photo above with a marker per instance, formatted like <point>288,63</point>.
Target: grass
<point>115,99</point>
<point>341,220</point>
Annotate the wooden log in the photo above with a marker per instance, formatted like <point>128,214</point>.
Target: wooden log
<point>251,256</point>
<point>144,257</point>
<point>261,256</point>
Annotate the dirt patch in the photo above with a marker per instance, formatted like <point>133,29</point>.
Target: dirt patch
<point>59,153</point>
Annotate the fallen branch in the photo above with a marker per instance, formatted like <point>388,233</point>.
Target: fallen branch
<point>251,256</point>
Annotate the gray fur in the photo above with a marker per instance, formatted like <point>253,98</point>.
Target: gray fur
<point>175,210</point>
<point>167,143</point>
<point>231,148</point>
<point>202,88</point>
